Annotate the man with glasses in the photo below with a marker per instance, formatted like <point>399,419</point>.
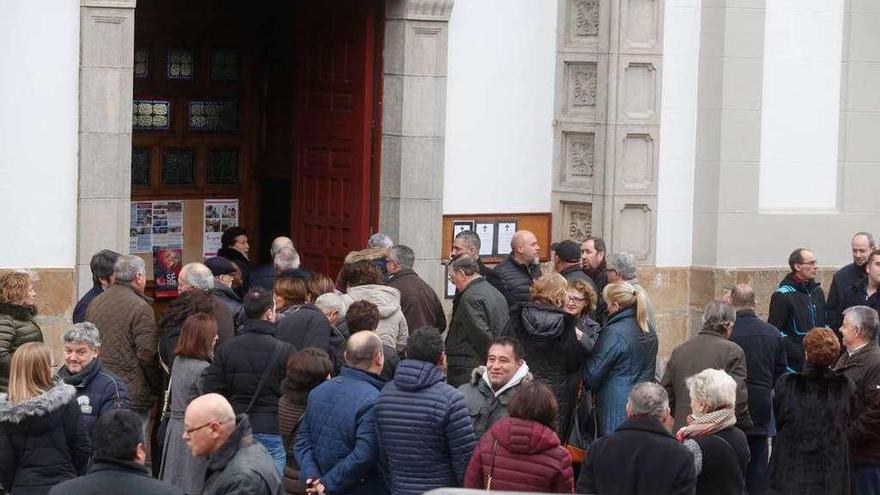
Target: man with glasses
<point>236,462</point>
<point>798,305</point>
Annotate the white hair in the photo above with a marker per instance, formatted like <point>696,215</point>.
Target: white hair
<point>197,275</point>
<point>332,302</point>
<point>714,388</point>
<point>380,240</point>
<point>280,243</point>
<point>128,267</point>
<point>648,399</point>
<point>286,259</point>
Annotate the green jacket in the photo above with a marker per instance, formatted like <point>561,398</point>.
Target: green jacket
<point>17,327</point>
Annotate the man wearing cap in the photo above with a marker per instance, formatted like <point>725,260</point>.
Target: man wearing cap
<point>224,271</point>
<point>567,261</point>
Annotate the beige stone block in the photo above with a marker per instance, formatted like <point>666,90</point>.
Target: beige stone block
<point>107,37</point>
<point>393,53</point>
<point>864,6</point>
<point>634,226</point>
<point>740,135</point>
<point>584,25</point>
<point>708,140</point>
<point>743,83</point>
<point>579,158</point>
<point>707,174</point>
<point>421,168</point>
<point>710,82</point>
<point>702,287</point>
<point>117,4</point>
<point>738,185</point>
<point>392,105</point>
<point>641,26</point>
<point>433,272</point>
<point>429,10</point>
<point>419,226</point>
<point>639,89</point>
<point>712,31</point>
<point>669,288</point>
<point>424,106</point>
<point>863,81</point>
<point>83,279</point>
<point>705,238</point>
<point>426,47</point>
<point>860,181</point>
<point>106,173</point>
<point>389,216</point>
<point>389,179</point>
<point>582,87</point>
<point>862,144</point>
<point>744,33</point>
<point>106,96</point>
<point>102,224</point>
<point>864,37</point>
<point>672,330</point>
<point>637,157</point>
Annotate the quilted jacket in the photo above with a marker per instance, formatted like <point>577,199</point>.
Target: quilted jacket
<point>337,438</point>
<point>17,327</point>
<point>424,430</point>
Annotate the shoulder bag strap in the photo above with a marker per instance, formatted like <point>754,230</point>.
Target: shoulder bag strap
<point>265,376</point>
<point>491,466</point>
<point>166,403</point>
<point>735,454</point>
<point>292,437</point>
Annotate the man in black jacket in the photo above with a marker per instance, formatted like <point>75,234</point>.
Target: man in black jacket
<point>798,305</point>
<point>593,262</point>
<point>224,273</point>
<point>119,460</point>
<point>519,270</point>
<point>844,279</point>
<point>864,291</point>
<point>240,364</point>
<point>467,243</point>
<point>641,456</point>
<point>567,262</point>
<point>765,362</point>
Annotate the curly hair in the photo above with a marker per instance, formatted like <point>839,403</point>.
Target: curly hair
<point>585,290</point>
<point>822,347</point>
<point>14,287</point>
<point>550,289</point>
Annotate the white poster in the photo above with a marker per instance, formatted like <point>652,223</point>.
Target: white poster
<point>486,233</point>
<point>505,235</point>
<point>220,214</point>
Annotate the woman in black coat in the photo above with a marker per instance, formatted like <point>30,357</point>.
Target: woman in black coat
<point>43,439</point>
<point>549,337</point>
<point>813,410</point>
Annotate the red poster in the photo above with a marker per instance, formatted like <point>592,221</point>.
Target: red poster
<point>166,269</point>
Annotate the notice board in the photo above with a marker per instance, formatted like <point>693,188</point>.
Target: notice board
<point>497,227</point>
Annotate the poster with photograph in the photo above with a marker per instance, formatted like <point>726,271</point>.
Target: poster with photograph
<point>168,224</point>
<point>166,269</point>
<point>220,214</point>
<point>141,234</point>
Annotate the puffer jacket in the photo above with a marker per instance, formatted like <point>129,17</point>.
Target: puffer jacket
<point>479,314</point>
<point>424,430</point>
<point>98,391</point>
<point>337,440</point>
<point>305,326</point>
<point>624,356</point>
<point>232,303</point>
<point>795,309</point>
<point>17,327</point>
<point>548,336</point>
<point>520,455</point>
<point>43,441</point>
<point>392,326</point>
<point>517,281</point>
<point>242,465</point>
<point>486,405</point>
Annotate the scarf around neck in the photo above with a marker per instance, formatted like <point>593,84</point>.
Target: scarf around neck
<point>705,424</point>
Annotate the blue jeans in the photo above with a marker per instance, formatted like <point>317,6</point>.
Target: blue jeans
<point>276,449</point>
<point>756,474</point>
<point>867,478</point>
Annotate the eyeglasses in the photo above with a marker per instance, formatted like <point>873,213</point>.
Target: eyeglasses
<point>576,299</point>
<point>190,431</point>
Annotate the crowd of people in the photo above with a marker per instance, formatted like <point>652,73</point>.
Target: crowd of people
<point>277,379</point>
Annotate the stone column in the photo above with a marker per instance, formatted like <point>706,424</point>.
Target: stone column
<point>413,129</point>
<point>105,94</point>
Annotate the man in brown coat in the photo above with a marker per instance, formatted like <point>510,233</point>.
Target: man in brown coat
<point>129,334</point>
<point>709,349</point>
<point>420,305</point>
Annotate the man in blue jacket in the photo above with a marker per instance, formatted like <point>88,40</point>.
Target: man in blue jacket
<point>336,448</point>
<point>424,427</point>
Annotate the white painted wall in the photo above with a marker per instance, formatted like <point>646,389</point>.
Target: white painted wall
<point>499,110</point>
<point>678,130</point>
<point>799,125</point>
<point>39,63</point>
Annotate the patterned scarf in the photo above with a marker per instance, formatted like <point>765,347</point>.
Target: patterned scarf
<point>705,424</point>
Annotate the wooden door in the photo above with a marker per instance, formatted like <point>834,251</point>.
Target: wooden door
<point>333,132</point>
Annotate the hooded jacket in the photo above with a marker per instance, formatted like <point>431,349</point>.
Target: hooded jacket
<point>424,430</point>
<point>242,465</point>
<point>485,405</point>
<point>624,356</point>
<point>43,441</point>
<point>392,329</point>
<point>97,391</point>
<point>548,336</point>
<point>479,314</point>
<point>520,455</point>
<point>795,309</point>
<point>17,327</point>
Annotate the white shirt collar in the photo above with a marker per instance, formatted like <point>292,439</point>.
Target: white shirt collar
<point>850,352</point>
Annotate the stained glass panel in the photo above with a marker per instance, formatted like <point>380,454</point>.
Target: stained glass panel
<point>178,167</point>
<point>223,167</point>
<point>142,63</point>
<point>150,115</point>
<point>140,167</point>
<point>224,65</point>
<point>181,63</point>
<point>213,115</point>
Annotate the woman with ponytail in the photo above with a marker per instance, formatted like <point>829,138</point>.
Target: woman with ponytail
<point>625,354</point>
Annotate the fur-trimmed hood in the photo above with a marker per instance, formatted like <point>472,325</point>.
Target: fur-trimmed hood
<point>368,254</point>
<point>18,312</point>
<point>40,406</point>
<point>521,376</point>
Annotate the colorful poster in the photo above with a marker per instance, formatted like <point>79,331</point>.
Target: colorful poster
<point>220,214</point>
<point>166,269</point>
<point>141,234</point>
<point>168,224</point>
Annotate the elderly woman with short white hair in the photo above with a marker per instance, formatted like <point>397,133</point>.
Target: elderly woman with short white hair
<point>721,451</point>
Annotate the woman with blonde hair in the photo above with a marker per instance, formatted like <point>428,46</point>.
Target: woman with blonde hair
<point>549,337</point>
<point>43,439</point>
<point>625,354</point>
<point>17,323</point>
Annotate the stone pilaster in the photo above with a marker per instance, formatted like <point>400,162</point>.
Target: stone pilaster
<point>106,59</point>
<point>414,128</point>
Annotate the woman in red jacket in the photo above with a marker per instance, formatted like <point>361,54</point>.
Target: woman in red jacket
<point>522,452</point>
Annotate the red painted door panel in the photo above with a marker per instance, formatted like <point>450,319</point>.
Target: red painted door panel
<point>335,66</point>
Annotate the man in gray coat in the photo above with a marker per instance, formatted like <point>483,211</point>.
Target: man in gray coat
<point>479,314</point>
<point>236,462</point>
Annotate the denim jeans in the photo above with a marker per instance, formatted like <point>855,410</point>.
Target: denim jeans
<point>867,477</point>
<point>276,449</point>
<point>756,474</point>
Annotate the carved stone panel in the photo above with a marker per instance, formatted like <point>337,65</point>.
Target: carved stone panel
<point>641,25</point>
<point>633,230</point>
<point>639,95</point>
<point>636,164</point>
<point>583,24</point>
<point>581,86</point>
<point>578,218</point>
<point>580,154</point>
<point>585,18</point>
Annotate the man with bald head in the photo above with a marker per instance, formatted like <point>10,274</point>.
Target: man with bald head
<point>264,275</point>
<point>236,462</point>
<point>765,362</point>
<point>519,269</point>
<point>337,447</point>
<point>849,278</point>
